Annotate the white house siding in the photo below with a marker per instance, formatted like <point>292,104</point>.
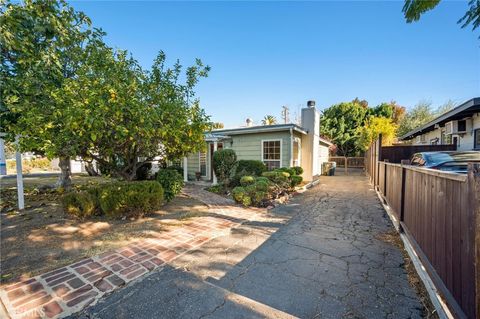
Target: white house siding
<point>465,141</point>
<point>323,156</point>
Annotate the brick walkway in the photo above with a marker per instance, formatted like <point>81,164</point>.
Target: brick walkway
<point>69,289</point>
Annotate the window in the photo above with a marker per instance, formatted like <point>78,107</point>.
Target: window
<point>272,153</point>
<point>476,140</point>
<point>462,126</point>
<point>296,152</point>
<point>203,163</point>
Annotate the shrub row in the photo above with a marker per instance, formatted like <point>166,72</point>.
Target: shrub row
<point>259,191</point>
<point>115,200</point>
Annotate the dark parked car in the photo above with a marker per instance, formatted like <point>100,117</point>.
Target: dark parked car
<point>455,162</point>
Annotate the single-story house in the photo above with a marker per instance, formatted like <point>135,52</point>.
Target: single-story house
<point>459,126</point>
<point>279,145</point>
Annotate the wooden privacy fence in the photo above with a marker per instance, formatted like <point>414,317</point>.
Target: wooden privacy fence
<point>348,162</point>
<point>439,213</point>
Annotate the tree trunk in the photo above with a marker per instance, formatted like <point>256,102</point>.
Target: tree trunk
<point>91,169</point>
<point>65,178</point>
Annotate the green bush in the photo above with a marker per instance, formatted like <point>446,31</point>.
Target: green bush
<point>253,194</point>
<point>295,180</point>
<point>277,177</point>
<point>247,180</point>
<point>80,204</point>
<point>179,169</point>
<point>130,198</point>
<point>171,181</point>
<point>250,167</point>
<point>224,163</point>
<point>290,171</point>
<point>115,200</point>
<point>298,170</point>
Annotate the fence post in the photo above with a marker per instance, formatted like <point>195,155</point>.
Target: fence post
<point>385,178</point>
<point>474,207</point>
<point>402,195</point>
<point>346,166</point>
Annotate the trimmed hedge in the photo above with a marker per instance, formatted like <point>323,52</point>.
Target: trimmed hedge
<point>171,181</point>
<point>115,200</point>
<point>250,167</point>
<point>80,204</point>
<point>298,170</point>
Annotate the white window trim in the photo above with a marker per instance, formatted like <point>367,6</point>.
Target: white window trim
<point>299,141</point>
<point>281,149</point>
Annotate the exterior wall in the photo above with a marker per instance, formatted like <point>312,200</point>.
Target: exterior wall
<point>323,156</point>
<point>249,146</point>
<point>465,142</point>
<point>310,143</point>
<point>193,165</point>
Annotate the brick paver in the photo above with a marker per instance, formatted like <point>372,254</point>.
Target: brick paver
<point>71,288</point>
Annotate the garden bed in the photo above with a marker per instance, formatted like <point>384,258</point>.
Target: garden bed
<point>43,237</point>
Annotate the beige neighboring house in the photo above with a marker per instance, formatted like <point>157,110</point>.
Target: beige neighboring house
<point>459,126</point>
<point>280,145</point>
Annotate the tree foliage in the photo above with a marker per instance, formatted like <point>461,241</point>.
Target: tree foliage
<point>373,128</point>
<point>413,10</point>
<point>70,95</point>
<point>421,114</point>
<point>340,123</point>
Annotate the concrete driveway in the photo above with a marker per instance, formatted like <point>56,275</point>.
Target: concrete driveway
<point>317,257</point>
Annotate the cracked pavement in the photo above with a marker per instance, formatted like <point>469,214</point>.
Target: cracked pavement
<point>317,257</point>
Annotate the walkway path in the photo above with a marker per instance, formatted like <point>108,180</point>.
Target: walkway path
<point>72,288</point>
<point>318,257</point>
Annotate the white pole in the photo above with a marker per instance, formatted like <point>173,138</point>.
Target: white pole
<point>185,169</point>
<point>18,162</point>
<point>3,164</point>
<point>215,145</point>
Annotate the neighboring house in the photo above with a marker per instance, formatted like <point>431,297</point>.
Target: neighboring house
<point>281,145</point>
<point>460,126</point>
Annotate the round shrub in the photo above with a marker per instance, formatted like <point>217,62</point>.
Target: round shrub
<point>247,180</point>
<point>179,169</point>
<point>238,193</point>
<point>290,171</point>
<point>171,181</point>
<point>250,167</point>
<point>130,198</point>
<point>261,186</point>
<point>262,179</point>
<point>295,180</point>
<point>80,204</point>
<point>298,170</point>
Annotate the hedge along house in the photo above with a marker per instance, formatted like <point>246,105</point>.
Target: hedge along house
<point>280,145</point>
<point>459,126</point>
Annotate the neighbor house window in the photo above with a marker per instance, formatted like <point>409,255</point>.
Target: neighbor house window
<point>476,141</point>
<point>203,163</point>
<point>272,153</point>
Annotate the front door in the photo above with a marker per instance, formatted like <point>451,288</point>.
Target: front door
<point>219,147</point>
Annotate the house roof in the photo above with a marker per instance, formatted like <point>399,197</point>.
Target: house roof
<point>259,129</point>
<point>325,141</point>
<point>462,111</point>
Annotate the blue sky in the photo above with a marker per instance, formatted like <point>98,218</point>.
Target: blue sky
<point>268,54</point>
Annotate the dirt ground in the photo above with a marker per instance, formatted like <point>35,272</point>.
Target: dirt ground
<point>42,237</point>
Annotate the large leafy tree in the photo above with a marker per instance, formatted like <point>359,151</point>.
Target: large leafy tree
<point>421,114</point>
<point>67,94</point>
<point>42,44</point>
<point>413,10</point>
<point>123,116</point>
<point>373,128</point>
<point>341,122</point>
